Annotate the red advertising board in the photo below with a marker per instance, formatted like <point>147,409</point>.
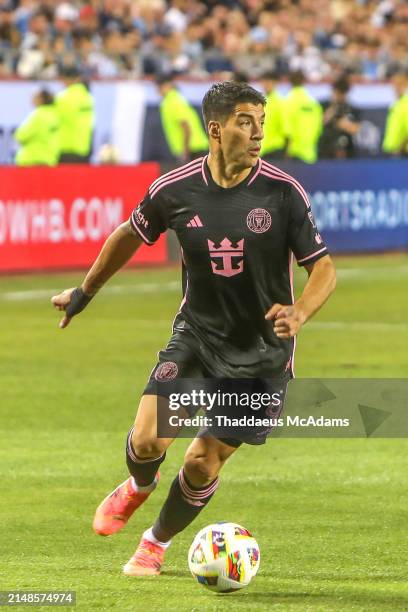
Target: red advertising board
<point>59,218</point>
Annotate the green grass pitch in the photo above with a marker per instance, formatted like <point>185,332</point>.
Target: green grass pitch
<point>330,515</point>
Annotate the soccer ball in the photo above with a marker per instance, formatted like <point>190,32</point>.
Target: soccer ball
<point>224,557</point>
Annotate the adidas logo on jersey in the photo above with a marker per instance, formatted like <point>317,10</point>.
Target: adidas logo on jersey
<point>195,222</point>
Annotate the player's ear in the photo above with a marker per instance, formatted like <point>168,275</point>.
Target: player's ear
<point>214,130</point>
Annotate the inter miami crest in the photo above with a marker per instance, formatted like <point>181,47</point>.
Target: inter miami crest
<point>259,220</point>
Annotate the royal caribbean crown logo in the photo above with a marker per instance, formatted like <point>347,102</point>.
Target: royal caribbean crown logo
<point>228,254</point>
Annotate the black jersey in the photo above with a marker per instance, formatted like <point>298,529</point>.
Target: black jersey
<point>237,246</point>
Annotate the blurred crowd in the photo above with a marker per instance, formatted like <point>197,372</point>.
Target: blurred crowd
<point>367,39</point>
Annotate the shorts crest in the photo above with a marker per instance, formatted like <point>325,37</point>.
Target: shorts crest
<point>166,371</point>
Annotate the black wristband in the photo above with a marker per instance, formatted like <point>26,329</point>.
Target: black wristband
<point>79,300</point>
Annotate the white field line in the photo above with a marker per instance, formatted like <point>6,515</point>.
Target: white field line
<point>45,294</point>
<point>357,325</point>
<point>340,325</point>
<point>370,273</point>
<point>324,325</point>
<point>329,325</point>
<point>40,294</point>
<point>346,273</point>
<point>363,326</point>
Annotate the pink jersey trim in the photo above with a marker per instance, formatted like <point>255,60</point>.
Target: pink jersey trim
<point>184,300</point>
<point>279,174</point>
<point>286,180</point>
<point>174,172</point>
<point>203,171</point>
<point>312,255</point>
<point>269,166</point>
<point>149,242</point>
<point>292,293</point>
<point>279,177</point>
<point>174,180</point>
<point>256,173</point>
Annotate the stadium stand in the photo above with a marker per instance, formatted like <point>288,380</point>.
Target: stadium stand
<point>134,38</point>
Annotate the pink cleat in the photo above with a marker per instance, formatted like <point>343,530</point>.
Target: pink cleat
<point>146,561</point>
<point>116,509</point>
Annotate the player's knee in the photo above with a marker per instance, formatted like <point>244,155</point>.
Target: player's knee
<point>199,470</point>
<point>147,447</point>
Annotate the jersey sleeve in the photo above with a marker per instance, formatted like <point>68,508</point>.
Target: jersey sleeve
<point>303,235</point>
<point>149,218</point>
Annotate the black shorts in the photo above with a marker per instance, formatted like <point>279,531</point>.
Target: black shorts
<point>243,410</point>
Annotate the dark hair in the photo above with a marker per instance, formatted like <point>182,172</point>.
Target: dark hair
<point>399,72</point>
<point>342,85</point>
<point>164,77</point>
<point>69,71</point>
<point>41,12</point>
<point>240,77</point>
<point>221,99</point>
<point>297,78</point>
<point>270,75</point>
<point>46,96</point>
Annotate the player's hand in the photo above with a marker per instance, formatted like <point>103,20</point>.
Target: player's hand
<point>287,319</point>
<point>73,301</point>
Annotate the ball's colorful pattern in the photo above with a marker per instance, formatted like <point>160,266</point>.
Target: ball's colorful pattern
<point>224,557</point>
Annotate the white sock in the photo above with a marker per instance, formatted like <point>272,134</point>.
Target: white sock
<point>148,535</point>
<point>147,489</point>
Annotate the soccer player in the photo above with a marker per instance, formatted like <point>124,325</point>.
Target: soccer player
<point>238,220</point>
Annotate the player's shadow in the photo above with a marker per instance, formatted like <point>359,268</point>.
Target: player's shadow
<point>178,573</point>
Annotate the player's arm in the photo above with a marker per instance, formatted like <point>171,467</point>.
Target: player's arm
<point>310,251</point>
<point>288,319</point>
<point>349,126</point>
<point>329,115</point>
<point>321,283</point>
<point>117,250</point>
